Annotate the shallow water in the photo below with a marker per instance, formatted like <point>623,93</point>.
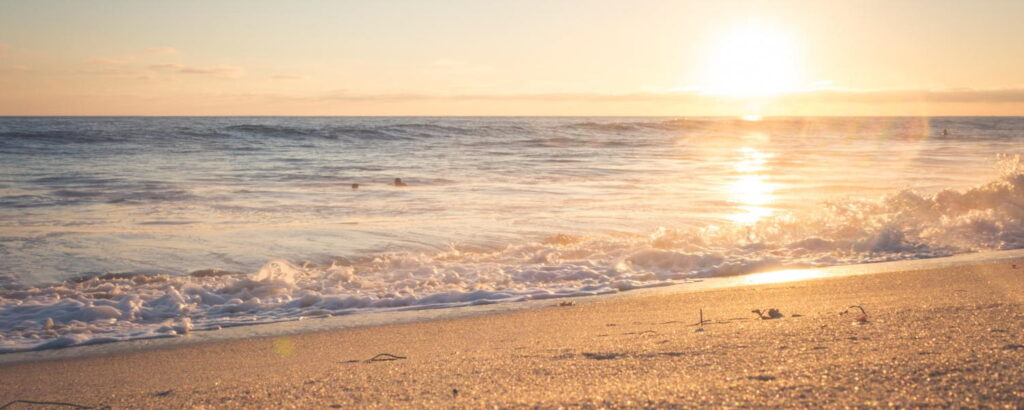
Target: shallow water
<point>261,211</point>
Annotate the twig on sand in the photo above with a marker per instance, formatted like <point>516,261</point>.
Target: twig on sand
<point>702,321</point>
<point>383,357</point>
<point>860,320</point>
<point>47,403</point>
<point>700,324</point>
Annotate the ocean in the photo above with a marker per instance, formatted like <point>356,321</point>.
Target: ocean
<point>128,228</point>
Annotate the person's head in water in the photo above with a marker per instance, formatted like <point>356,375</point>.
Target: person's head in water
<point>355,186</point>
<point>398,182</point>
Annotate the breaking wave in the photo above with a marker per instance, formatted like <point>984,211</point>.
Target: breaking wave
<point>903,225</point>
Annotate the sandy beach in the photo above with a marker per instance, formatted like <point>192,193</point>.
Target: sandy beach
<point>941,337</point>
<point>520,204</point>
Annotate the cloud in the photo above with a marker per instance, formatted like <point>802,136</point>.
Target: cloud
<point>146,65</point>
<point>951,95</point>
<point>165,67</point>
<point>4,48</point>
<point>219,70</point>
<point>285,77</point>
<point>120,67</point>
<point>540,97</point>
<point>834,95</point>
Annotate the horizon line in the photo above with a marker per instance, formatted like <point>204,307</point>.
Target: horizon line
<point>762,117</point>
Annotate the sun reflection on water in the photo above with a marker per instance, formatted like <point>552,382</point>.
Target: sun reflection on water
<point>751,189</point>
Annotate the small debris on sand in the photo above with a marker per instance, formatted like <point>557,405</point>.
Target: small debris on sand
<point>383,357</point>
<point>859,320</point>
<point>772,313</point>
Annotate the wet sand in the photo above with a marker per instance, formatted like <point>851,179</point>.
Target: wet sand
<point>941,337</point>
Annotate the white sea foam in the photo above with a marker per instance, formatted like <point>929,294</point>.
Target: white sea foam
<point>902,225</point>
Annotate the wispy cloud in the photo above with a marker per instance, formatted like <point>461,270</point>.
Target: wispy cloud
<point>286,77</point>
<point>832,95</point>
<point>951,95</point>
<point>219,70</point>
<point>165,67</point>
<point>129,67</point>
<point>147,65</point>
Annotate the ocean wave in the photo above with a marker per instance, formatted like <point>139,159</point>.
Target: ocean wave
<point>907,128</point>
<point>902,225</point>
<point>236,134</point>
<point>381,132</point>
<point>76,189</point>
<point>58,136</point>
<point>671,124</point>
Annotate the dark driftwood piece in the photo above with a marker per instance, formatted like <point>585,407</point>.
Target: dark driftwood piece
<point>46,403</point>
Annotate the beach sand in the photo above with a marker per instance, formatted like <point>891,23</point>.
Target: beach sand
<point>942,337</point>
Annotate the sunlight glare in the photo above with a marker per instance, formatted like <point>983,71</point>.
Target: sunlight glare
<point>753,60</point>
<point>789,275</point>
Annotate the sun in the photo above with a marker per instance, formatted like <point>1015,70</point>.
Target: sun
<point>751,60</point>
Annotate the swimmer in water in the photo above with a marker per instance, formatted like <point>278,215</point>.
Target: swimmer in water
<point>398,182</point>
<point>945,132</point>
<point>355,186</point>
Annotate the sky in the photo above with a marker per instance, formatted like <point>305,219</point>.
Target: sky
<point>525,57</point>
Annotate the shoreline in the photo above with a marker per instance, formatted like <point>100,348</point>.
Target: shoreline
<point>940,335</point>
<point>383,318</point>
